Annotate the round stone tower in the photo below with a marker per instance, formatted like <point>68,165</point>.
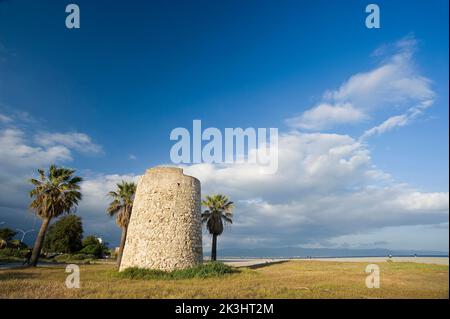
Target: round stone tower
<point>165,226</point>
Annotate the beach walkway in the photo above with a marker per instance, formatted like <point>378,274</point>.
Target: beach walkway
<point>254,262</point>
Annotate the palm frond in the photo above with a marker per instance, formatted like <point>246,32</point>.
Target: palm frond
<point>122,202</point>
<point>56,192</point>
<point>218,212</point>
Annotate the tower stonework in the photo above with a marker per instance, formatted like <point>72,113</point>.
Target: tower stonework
<point>164,231</point>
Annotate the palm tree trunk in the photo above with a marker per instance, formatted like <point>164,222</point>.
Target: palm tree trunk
<point>214,248</point>
<point>39,241</point>
<point>122,245</point>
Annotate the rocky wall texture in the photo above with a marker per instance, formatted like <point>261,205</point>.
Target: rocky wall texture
<point>165,226</point>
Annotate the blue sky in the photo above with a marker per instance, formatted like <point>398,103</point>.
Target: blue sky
<point>135,71</point>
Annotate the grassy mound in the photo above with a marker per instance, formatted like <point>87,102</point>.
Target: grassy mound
<point>206,270</point>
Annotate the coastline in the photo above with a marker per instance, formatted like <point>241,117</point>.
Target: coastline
<point>252,262</point>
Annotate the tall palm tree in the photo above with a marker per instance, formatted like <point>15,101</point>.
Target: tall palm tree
<point>121,207</point>
<point>54,193</point>
<point>218,212</point>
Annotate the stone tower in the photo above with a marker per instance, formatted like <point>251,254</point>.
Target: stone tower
<point>165,226</point>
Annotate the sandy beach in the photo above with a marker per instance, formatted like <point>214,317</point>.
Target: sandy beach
<point>252,262</point>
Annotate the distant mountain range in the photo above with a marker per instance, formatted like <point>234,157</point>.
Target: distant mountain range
<point>321,252</point>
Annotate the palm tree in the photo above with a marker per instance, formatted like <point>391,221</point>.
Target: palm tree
<point>122,206</point>
<point>54,193</point>
<point>218,212</point>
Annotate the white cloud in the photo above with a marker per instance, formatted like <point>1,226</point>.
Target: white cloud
<point>95,202</point>
<point>19,148</point>
<point>96,187</point>
<point>5,119</point>
<point>418,202</point>
<point>394,84</point>
<point>16,152</point>
<point>20,157</point>
<point>307,161</point>
<point>325,115</point>
<point>326,186</point>
<point>397,120</point>
<point>78,141</point>
<point>19,161</point>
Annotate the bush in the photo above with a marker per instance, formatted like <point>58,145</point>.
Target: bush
<point>93,246</point>
<point>7,241</point>
<point>62,258</point>
<point>12,252</point>
<point>75,258</point>
<point>207,270</point>
<point>7,234</point>
<point>95,250</point>
<point>16,243</point>
<point>64,236</point>
<point>90,240</point>
<point>82,256</point>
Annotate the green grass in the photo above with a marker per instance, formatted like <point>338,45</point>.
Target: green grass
<point>74,258</point>
<point>293,279</point>
<point>11,255</point>
<point>207,270</point>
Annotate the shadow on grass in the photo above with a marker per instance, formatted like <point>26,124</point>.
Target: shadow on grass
<point>269,263</point>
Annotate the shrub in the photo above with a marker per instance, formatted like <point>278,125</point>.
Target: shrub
<point>82,257</point>
<point>95,250</point>
<point>139,273</point>
<point>93,246</point>
<point>12,252</point>
<point>64,236</point>
<point>16,243</point>
<point>7,241</point>
<point>62,258</point>
<point>7,234</point>
<point>207,270</point>
<point>67,258</point>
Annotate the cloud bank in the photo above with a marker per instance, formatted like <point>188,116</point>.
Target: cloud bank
<point>326,186</point>
<point>394,84</point>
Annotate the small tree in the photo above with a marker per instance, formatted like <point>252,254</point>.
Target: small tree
<point>121,207</point>
<point>6,237</point>
<point>55,193</point>
<point>7,234</point>
<point>90,240</point>
<point>65,235</point>
<point>93,246</point>
<point>218,212</point>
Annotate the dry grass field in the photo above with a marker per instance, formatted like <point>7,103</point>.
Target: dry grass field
<point>293,279</point>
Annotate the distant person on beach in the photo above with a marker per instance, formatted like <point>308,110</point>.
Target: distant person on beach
<point>27,257</point>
